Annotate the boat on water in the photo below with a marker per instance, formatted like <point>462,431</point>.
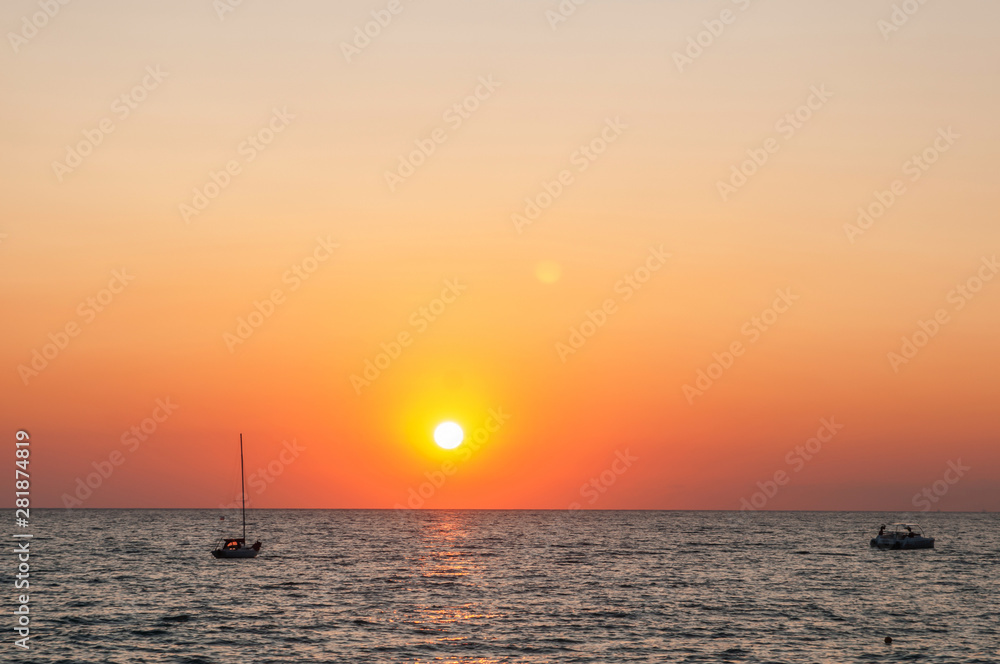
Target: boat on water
<point>236,547</point>
<point>901,536</point>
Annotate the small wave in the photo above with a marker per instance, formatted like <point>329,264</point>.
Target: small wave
<point>823,553</point>
<point>80,603</point>
<point>183,617</point>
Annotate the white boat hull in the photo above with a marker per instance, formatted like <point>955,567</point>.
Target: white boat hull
<point>893,543</point>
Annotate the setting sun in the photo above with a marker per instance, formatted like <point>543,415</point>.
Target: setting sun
<point>448,435</point>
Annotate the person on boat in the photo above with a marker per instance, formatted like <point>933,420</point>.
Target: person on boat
<point>881,530</point>
<point>909,532</point>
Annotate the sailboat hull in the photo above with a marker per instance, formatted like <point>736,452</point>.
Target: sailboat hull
<point>236,553</point>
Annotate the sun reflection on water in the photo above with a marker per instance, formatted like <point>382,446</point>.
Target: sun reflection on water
<point>446,565</point>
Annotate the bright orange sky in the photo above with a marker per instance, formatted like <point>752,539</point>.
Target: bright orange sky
<point>694,200</point>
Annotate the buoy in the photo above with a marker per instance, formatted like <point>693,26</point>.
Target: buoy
<point>888,640</point>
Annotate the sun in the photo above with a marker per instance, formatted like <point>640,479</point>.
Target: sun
<point>448,435</point>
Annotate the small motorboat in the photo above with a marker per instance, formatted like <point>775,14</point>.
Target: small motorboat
<point>236,547</point>
<point>901,536</point>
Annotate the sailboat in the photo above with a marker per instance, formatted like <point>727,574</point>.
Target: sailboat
<point>236,547</point>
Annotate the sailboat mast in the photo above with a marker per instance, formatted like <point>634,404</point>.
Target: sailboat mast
<point>243,490</point>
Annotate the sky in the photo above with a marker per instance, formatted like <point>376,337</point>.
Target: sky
<point>649,255</point>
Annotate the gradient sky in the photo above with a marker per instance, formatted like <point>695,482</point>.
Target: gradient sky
<point>887,96</point>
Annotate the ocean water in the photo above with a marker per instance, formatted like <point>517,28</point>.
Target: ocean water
<point>507,586</point>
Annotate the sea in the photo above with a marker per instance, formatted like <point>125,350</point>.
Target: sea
<point>505,586</point>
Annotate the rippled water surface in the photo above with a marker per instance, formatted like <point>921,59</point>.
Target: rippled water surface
<point>510,586</point>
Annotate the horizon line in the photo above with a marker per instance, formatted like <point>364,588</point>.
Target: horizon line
<point>507,509</point>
